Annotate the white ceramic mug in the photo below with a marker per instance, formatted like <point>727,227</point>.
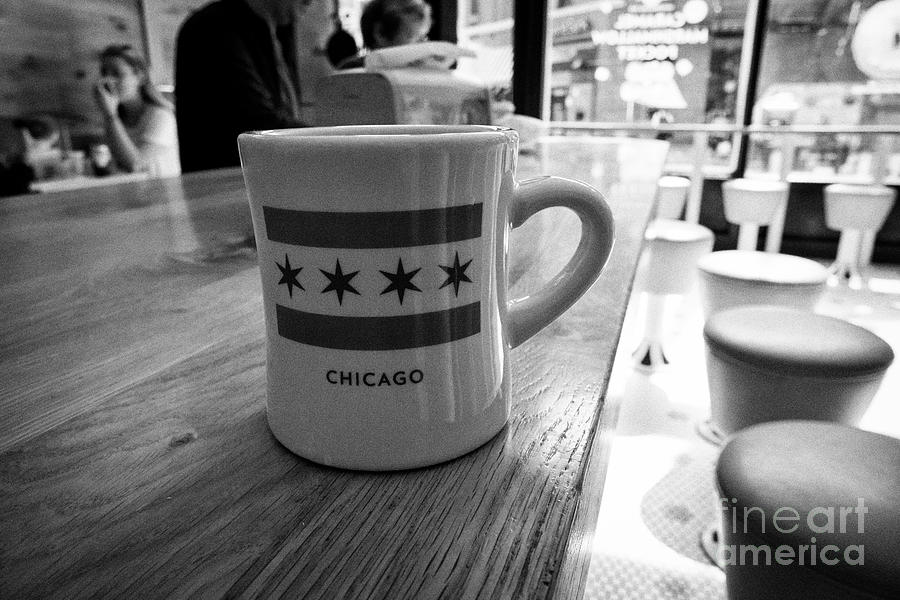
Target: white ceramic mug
<point>383,257</point>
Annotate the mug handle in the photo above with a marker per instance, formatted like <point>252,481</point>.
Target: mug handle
<point>530,314</point>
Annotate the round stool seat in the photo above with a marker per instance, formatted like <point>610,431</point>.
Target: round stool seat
<point>671,195</point>
<point>673,248</point>
<point>732,278</point>
<point>858,207</point>
<point>770,363</point>
<point>753,200</point>
<point>822,497</point>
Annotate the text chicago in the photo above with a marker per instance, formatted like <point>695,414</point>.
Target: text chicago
<point>372,379</point>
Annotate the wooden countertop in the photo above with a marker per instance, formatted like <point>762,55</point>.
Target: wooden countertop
<point>135,459</point>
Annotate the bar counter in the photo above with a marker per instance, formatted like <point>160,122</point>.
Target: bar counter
<point>135,458</point>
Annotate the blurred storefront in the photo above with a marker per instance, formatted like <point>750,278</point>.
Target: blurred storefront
<point>807,90</point>
<point>689,62</point>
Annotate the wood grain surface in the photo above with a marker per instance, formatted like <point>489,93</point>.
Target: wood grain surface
<point>135,459</point>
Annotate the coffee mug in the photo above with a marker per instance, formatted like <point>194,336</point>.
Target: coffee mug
<point>383,257</point>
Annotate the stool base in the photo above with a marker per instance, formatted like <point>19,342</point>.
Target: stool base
<point>845,268</point>
<point>710,433</point>
<point>649,355</point>
<point>711,542</point>
<point>849,273</point>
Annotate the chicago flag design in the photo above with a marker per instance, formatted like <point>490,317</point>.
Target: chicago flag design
<point>375,280</point>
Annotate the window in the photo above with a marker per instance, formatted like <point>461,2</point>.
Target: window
<point>650,62</point>
<point>625,65</point>
<point>840,81</point>
<point>486,26</point>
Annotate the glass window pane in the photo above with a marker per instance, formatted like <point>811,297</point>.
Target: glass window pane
<point>486,26</point>
<point>828,63</point>
<point>649,62</point>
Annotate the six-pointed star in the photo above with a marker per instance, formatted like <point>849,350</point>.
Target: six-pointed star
<point>400,281</point>
<point>456,274</point>
<point>338,282</point>
<point>289,276</point>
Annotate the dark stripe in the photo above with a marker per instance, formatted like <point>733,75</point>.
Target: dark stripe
<point>394,229</point>
<point>379,333</point>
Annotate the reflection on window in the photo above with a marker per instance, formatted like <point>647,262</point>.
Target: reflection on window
<point>649,61</point>
<point>486,26</point>
<point>634,62</point>
<point>829,63</point>
<point>645,60</point>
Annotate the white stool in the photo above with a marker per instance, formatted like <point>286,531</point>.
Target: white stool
<point>750,203</point>
<point>732,278</point>
<point>668,266</point>
<point>854,210</point>
<point>671,196</point>
<point>796,469</point>
<point>771,363</point>
<point>735,278</point>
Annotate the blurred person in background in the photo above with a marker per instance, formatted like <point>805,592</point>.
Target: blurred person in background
<point>236,70</point>
<point>340,45</point>
<point>15,173</point>
<point>388,23</point>
<point>139,122</point>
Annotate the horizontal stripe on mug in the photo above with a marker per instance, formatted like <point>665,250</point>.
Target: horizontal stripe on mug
<point>379,333</point>
<point>384,229</point>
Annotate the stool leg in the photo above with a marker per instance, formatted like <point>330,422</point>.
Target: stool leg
<point>649,353</point>
<point>711,535</point>
<point>711,542</point>
<point>866,248</point>
<point>846,265</point>
<point>708,431</point>
<point>748,234</point>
